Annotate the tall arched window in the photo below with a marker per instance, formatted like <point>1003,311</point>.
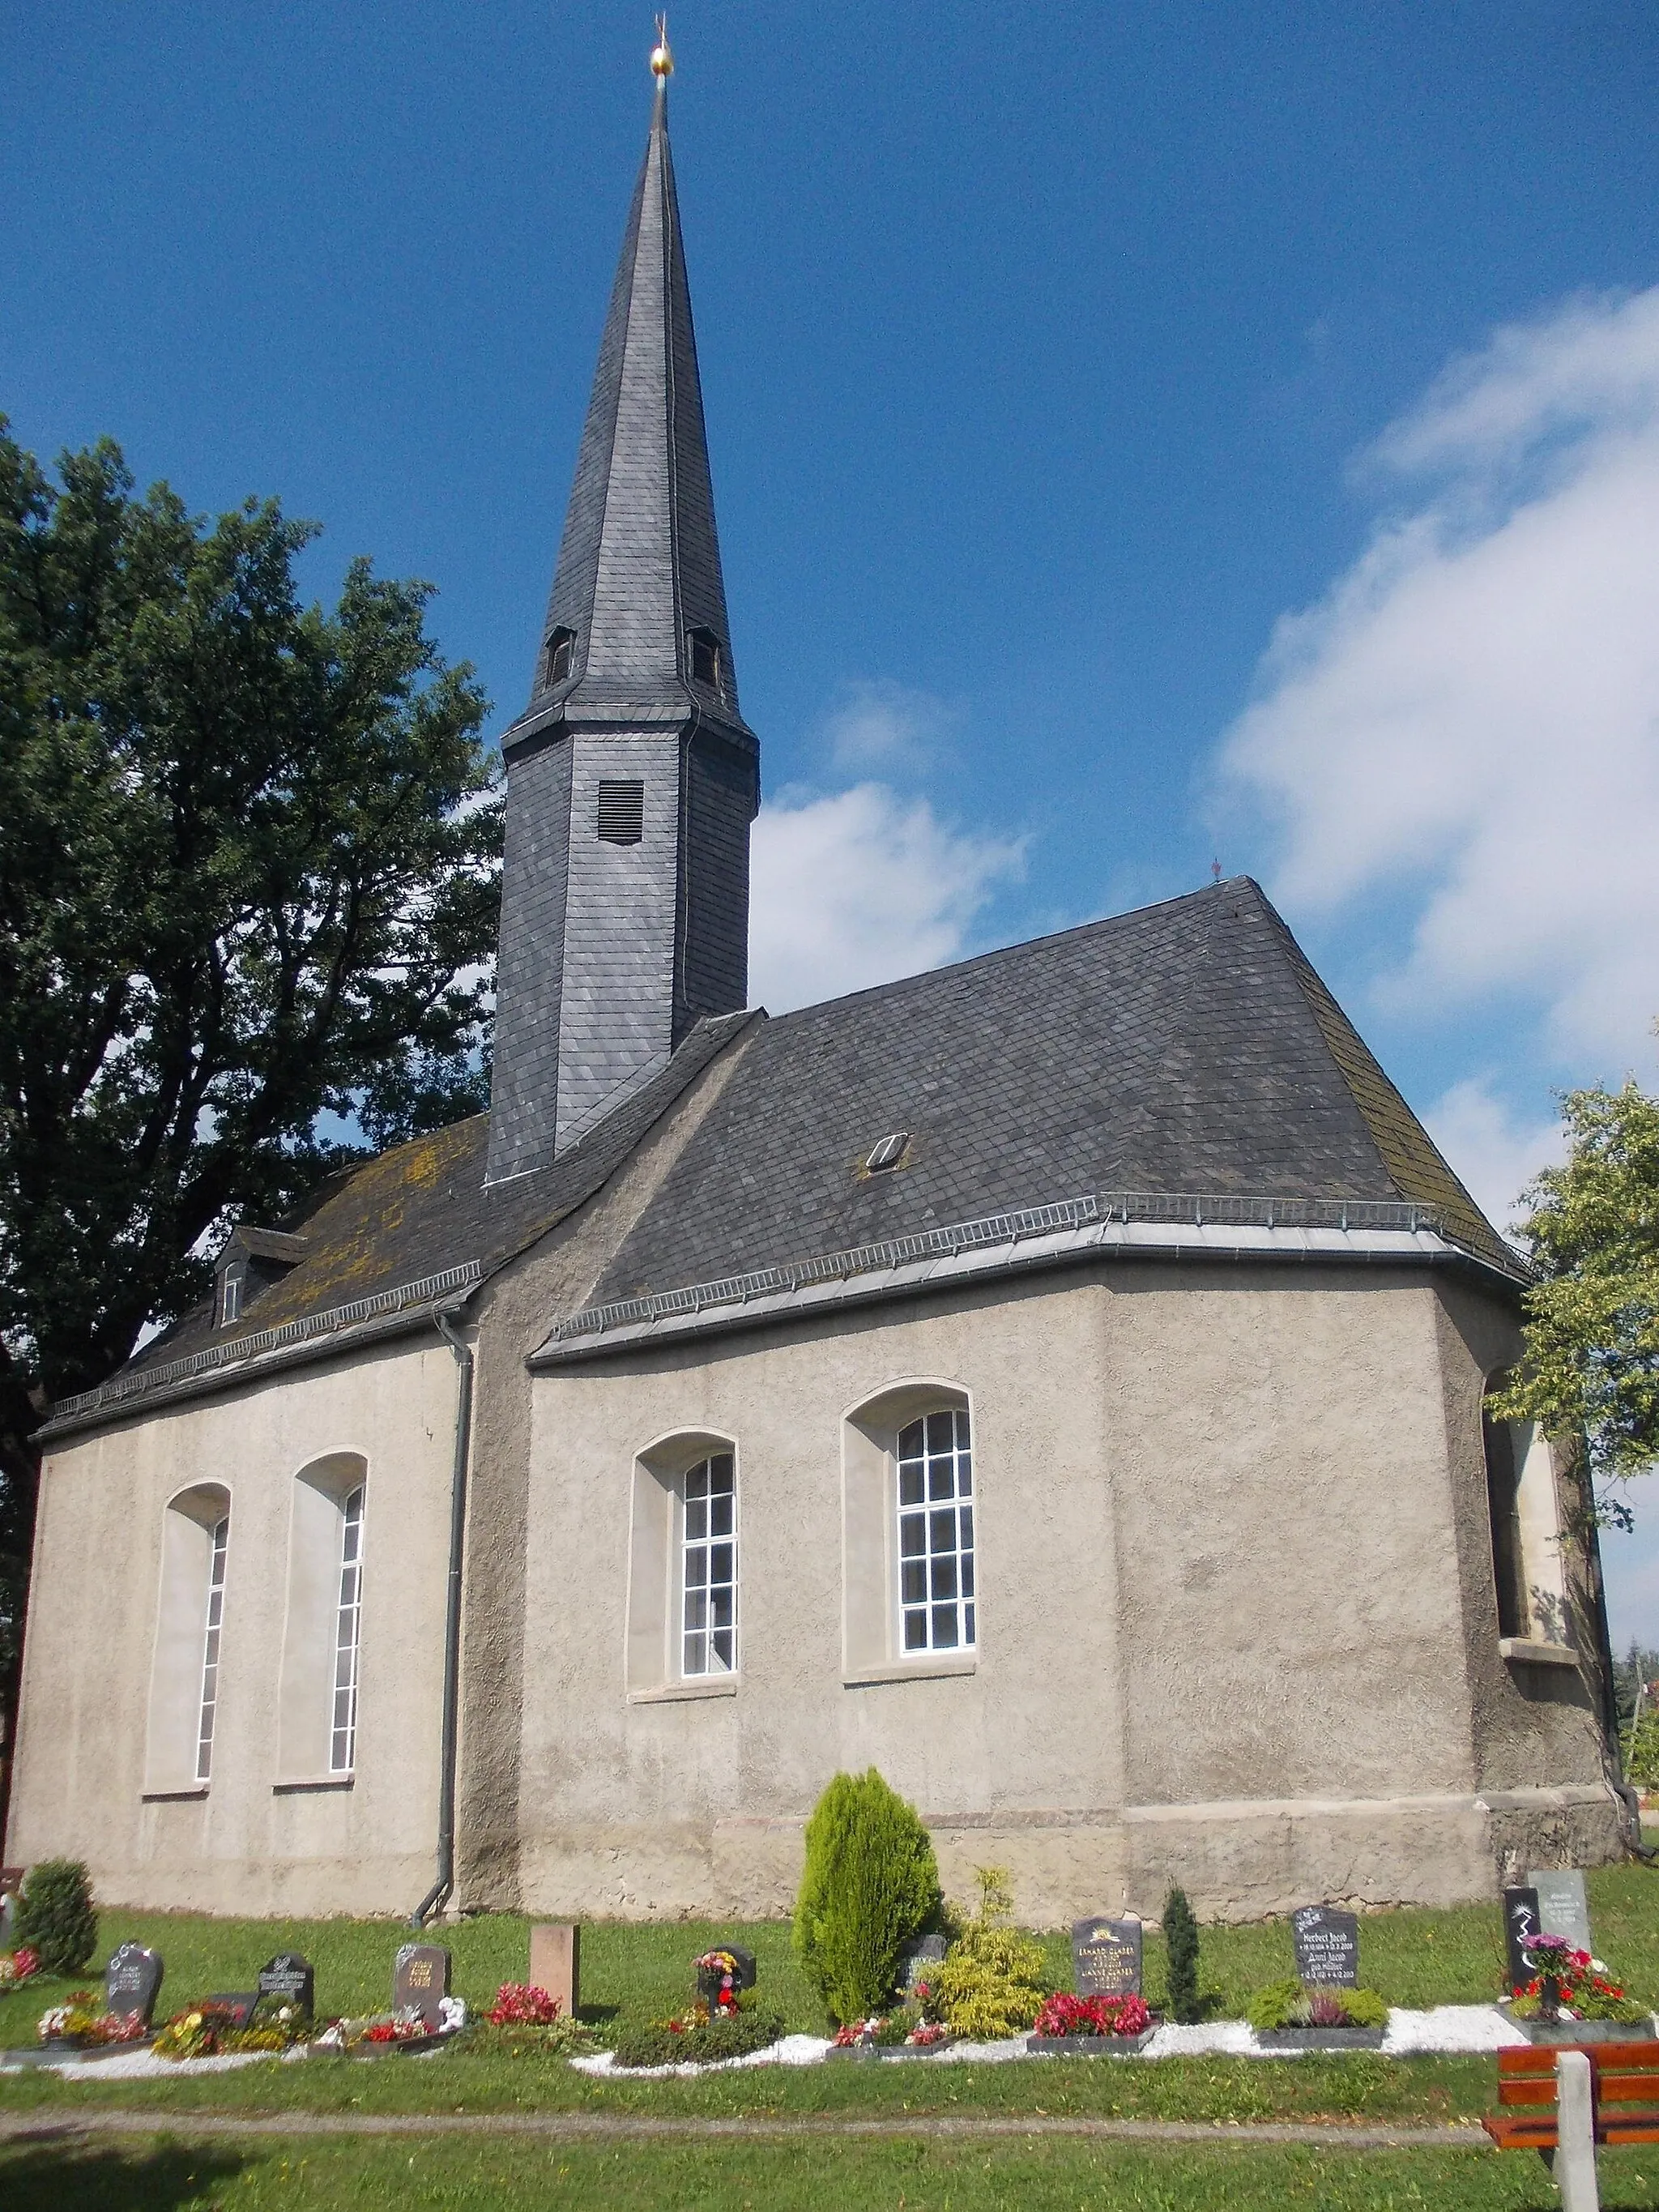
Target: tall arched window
<point>323,1636</point>
<point>708,1578</point>
<point>1508,1563</point>
<point>682,1569</point>
<point>186,1669</point>
<point>344,1742</point>
<point>936,1532</point>
<point>910,1593</point>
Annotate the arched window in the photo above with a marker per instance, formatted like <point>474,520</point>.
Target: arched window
<point>1509,1564</point>
<point>322,1639</point>
<point>344,1742</point>
<point>910,1534</point>
<point>682,1569</point>
<point>935,1467</point>
<point>187,1665</point>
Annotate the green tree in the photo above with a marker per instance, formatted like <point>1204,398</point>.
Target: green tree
<point>1591,1364</point>
<point>248,877</point>
<point>870,1886</point>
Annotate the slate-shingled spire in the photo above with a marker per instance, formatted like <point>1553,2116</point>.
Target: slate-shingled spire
<point>632,776</point>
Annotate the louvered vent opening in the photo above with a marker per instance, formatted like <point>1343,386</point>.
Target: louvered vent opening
<point>622,813</point>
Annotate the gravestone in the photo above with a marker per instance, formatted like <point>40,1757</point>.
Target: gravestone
<point>919,1964</point>
<point>420,1981</point>
<point>291,1978</point>
<point>1326,1942</point>
<point>1521,1924</point>
<point>708,1982</point>
<point>1106,1958</point>
<point>132,1980</point>
<point>555,1949</point>
<point>1562,1906</point>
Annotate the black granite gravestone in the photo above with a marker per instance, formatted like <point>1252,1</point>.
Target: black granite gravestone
<point>132,1980</point>
<point>1106,1958</point>
<point>291,1978</point>
<point>420,1981</point>
<point>1326,1943</point>
<point>1521,1924</point>
<point>927,1953</point>
<point>709,1982</point>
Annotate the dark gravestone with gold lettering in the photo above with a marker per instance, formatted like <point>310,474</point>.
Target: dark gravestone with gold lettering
<point>1106,1958</point>
<point>420,1981</point>
<point>132,1981</point>
<point>1326,1942</point>
<point>292,1980</point>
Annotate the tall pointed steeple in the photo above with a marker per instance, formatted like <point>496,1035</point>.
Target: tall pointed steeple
<point>632,777</point>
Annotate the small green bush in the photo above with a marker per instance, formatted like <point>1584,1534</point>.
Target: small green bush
<point>733,2036</point>
<point>870,1887</point>
<point>1365,2008</point>
<point>55,1915</point>
<point>1275,2006</point>
<point>990,1983</point>
<point>1289,2004</point>
<point>1181,1943</point>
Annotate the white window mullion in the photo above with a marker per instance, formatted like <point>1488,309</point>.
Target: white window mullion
<point>343,1745</point>
<point>215,1613</point>
<point>708,1569</point>
<point>936,1533</point>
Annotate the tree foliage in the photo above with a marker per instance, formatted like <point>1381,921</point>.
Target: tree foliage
<point>869,1887</point>
<point>1591,1364</point>
<point>1181,1946</point>
<point>56,1915</point>
<point>248,877</point>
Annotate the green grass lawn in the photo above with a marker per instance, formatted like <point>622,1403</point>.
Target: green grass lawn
<point>162,2175</point>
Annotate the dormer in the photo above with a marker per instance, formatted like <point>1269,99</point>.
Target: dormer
<point>707,660</point>
<point>253,1259</point>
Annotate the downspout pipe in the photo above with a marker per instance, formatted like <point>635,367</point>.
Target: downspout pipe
<point>443,1887</point>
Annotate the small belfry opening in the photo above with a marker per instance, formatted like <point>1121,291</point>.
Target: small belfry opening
<point>703,650</point>
<point>556,656</point>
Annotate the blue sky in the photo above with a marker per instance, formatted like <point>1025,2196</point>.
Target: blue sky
<point>1140,436</point>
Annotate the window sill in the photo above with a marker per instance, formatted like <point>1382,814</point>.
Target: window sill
<point>184,1794</point>
<point>1537,1653</point>
<point>680,1693</point>
<point>310,1783</point>
<point>925,1669</point>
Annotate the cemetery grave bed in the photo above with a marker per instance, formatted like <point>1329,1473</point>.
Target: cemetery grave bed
<point>163,2175</point>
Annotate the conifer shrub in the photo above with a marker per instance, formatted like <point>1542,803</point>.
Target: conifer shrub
<point>990,1983</point>
<point>1180,1943</point>
<point>55,1915</point>
<point>870,1887</point>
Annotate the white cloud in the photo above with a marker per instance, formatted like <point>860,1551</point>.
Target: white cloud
<point>1471,716</point>
<point>890,727</point>
<point>1495,1153</point>
<point>859,886</point>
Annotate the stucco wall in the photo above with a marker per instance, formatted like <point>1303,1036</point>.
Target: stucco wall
<point>1228,1608</point>
<point>246,1846</point>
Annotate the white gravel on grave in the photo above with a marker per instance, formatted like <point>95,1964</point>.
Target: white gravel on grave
<point>1450,2028</point>
<point>788,2050</point>
<point>144,2066</point>
<point>1230,2038</point>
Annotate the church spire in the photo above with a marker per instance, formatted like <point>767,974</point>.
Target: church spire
<point>632,777</point>
<point>636,623</point>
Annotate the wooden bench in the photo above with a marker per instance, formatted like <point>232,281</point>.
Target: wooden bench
<point>1625,2087</point>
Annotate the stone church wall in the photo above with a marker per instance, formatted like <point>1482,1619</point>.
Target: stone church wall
<point>1232,1628</point>
<point>250,1842</point>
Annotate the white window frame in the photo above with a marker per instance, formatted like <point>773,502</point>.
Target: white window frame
<point>179,1662</point>
<point>933,1500</point>
<point>348,1634</point>
<point>706,1552</point>
<point>207,1704</point>
<point>660,1661</point>
<point>873,1606</point>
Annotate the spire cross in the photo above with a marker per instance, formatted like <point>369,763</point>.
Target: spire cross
<point>662,60</point>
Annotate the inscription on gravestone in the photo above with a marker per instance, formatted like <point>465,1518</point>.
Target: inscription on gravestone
<point>132,1980</point>
<point>1562,1905</point>
<point>1521,1924</point>
<point>420,1981</point>
<point>292,1978</point>
<point>1326,1941</point>
<point>1106,1958</point>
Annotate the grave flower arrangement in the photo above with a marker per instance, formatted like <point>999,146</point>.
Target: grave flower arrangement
<point>1291,2003</point>
<point>718,1972</point>
<point>1567,1983</point>
<point>915,2026</point>
<point>1065,2014</point>
<point>17,1967</point>
<point>83,2022</point>
<point>210,2031</point>
<point>524,2020</point>
<point>384,2031</point>
<point>700,2037</point>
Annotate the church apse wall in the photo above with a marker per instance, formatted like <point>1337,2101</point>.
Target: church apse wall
<point>1221,1631</point>
<point>221,1772</point>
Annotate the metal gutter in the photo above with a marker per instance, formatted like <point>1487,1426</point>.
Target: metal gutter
<point>443,1887</point>
<point>1069,1233</point>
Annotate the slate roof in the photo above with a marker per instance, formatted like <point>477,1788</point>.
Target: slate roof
<point>1187,1048</point>
<point>639,563</point>
<point>424,1207</point>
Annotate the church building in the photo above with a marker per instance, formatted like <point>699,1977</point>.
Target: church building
<point>1055,1380</point>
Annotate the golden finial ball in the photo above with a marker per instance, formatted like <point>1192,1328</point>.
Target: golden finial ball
<point>662,61</point>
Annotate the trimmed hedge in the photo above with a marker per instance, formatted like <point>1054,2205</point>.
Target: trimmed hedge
<point>735,2036</point>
